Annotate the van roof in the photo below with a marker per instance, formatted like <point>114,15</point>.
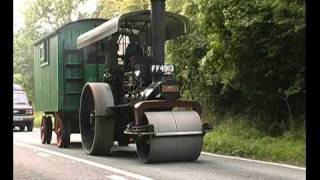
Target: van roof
<point>16,87</point>
<point>64,26</point>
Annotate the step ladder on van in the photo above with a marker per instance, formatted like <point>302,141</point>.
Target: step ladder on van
<point>72,72</point>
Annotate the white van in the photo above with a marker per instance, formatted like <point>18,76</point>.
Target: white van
<point>22,109</point>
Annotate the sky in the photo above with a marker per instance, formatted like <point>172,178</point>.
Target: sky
<point>17,13</point>
<point>18,7</point>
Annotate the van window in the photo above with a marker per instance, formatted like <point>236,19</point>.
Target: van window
<point>43,53</point>
<point>20,98</point>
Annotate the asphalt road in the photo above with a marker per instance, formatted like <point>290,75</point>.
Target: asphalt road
<point>33,160</point>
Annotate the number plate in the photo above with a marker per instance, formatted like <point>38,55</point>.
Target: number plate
<point>162,68</point>
<point>17,118</point>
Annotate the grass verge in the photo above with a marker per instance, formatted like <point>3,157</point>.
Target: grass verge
<point>239,138</point>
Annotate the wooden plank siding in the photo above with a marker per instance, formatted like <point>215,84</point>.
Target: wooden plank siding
<point>52,79</point>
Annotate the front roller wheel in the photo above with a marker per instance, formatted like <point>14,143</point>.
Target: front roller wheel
<point>178,137</point>
<point>96,119</point>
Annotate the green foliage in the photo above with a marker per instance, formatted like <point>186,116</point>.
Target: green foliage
<point>41,17</point>
<point>240,138</point>
<point>112,8</point>
<point>23,59</point>
<point>244,57</point>
<point>46,15</point>
<point>37,119</point>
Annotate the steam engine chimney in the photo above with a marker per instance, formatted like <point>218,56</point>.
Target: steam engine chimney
<point>158,31</point>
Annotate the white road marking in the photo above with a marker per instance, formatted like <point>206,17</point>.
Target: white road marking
<point>256,161</point>
<point>229,157</point>
<point>43,154</point>
<point>116,177</point>
<point>91,163</point>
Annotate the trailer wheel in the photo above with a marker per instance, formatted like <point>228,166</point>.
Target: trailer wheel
<point>96,119</point>
<point>30,126</point>
<point>46,130</point>
<point>62,131</point>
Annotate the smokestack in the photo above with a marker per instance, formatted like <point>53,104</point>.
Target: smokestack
<point>158,31</point>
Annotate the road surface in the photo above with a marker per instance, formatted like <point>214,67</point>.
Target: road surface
<point>33,160</point>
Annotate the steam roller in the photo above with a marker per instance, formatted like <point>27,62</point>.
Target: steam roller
<point>137,98</point>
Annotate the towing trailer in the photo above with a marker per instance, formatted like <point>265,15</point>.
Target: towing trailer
<point>59,75</point>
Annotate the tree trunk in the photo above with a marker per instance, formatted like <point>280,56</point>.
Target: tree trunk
<point>290,116</point>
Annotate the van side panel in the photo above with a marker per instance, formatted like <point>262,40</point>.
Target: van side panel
<point>74,72</point>
<point>59,81</point>
<point>46,76</point>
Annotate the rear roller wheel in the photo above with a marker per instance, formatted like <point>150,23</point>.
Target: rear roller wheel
<point>46,130</point>
<point>62,131</point>
<point>96,119</point>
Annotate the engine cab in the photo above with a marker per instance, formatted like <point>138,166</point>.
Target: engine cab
<point>124,44</point>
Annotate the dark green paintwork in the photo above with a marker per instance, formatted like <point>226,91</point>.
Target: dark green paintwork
<point>55,84</point>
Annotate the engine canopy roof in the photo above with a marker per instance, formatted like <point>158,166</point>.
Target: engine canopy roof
<point>175,25</point>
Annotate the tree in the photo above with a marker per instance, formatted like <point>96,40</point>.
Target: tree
<point>41,17</point>
<point>47,15</point>
<point>250,56</point>
<point>112,8</point>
